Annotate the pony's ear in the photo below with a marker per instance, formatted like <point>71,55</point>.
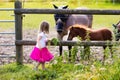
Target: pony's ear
<point>65,7</point>
<point>72,28</point>
<point>115,26</point>
<point>55,6</point>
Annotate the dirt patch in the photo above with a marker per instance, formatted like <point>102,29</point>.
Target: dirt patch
<point>31,35</point>
<point>7,45</point>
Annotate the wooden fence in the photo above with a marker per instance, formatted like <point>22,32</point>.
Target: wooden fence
<point>70,43</point>
<point>7,21</point>
<point>18,26</point>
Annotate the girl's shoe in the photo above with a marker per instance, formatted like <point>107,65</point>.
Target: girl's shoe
<point>35,69</point>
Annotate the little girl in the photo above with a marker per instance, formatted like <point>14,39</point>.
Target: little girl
<point>40,53</point>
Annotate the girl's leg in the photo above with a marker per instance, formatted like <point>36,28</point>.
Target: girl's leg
<point>36,65</point>
<point>43,66</point>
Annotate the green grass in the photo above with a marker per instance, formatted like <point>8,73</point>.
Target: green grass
<point>12,71</point>
<point>62,71</point>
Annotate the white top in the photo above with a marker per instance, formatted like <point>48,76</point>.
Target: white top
<point>42,40</point>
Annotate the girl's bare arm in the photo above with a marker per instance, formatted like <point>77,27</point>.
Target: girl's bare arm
<point>38,41</point>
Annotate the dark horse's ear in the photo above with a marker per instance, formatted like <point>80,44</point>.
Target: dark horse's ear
<point>55,6</point>
<point>115,26</point>
<point>65,7</point>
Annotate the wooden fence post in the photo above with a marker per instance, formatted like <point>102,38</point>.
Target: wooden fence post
<point>18,33</point>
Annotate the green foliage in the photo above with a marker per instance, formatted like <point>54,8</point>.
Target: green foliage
<point>74,52</point>
<point>107,51</point>
<point>44,75</point>
<point>87,37</point>
<point>62,71</point>
<point>54,41</point>
<point>15,72</point>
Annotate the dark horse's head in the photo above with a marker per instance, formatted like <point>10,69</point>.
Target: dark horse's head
<point>60,19</point>
<point>117,31</point>
<point>117,26</point>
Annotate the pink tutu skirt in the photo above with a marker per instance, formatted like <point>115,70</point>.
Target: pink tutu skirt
<point>41,55</point>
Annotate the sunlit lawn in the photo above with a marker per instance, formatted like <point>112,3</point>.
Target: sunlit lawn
<point>62,71</point>
<point>33,20</point>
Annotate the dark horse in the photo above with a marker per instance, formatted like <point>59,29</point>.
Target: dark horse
<point>63,21</point>
<point>94,35</point>
<point>117,30</point>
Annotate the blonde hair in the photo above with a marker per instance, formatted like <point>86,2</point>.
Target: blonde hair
<point>44,26</point>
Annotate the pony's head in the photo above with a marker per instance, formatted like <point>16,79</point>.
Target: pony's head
<point>60,19</point>
<point>77,30</point>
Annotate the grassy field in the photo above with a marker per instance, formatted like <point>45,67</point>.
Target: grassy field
<point>33,20</point>
<point>58,70</point>
<point>62,71</point>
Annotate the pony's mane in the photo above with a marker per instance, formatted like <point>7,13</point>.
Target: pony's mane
<point>79,26</point>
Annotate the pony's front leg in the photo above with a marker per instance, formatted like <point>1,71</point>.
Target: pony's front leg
<point>104,56</point>
<point>69,47</point>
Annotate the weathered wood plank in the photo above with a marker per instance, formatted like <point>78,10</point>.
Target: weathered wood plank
<point>71,43</point>
<point>7,20</point>
<point>7,56</point>
<point>6,9</point>
<point>18,35</point>
<point>67,11</point>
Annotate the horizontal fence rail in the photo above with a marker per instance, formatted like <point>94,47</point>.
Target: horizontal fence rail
<point>1,21</point>
<point>66,11</point>
<point>6,9</point>
<point>7,45</point>
<point>7,32</point>
<point>71,43</point>
<point>7,56</point>
<point>7,20</point>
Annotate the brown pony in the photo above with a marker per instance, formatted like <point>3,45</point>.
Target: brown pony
<point>94,35</point>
